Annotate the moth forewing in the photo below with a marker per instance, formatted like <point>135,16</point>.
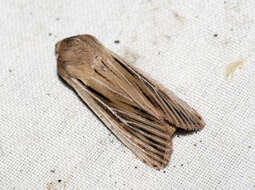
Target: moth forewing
<point>135,142</point>
<point>176,110</point>
<point>139,111</point>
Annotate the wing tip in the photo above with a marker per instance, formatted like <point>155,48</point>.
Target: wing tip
<point>200,124</point>
<point>158,166</point>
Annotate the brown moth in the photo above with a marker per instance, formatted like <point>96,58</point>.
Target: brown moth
<point>139,111</point>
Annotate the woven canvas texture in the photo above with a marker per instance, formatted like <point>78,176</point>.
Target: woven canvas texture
<point>50,140</point>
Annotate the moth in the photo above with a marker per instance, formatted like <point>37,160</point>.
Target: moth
<point>141,113</point>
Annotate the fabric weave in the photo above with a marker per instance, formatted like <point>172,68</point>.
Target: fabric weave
<point>50,140</point>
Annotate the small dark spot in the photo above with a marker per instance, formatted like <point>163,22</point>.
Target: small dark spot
<point>50,34</point>
<point>159,53</point>
<point>57,19</point>
<point>167,37</point>
<point>181,165</point>
<point>135,167</point>
<point>59,180</point>
<point>176,14</point>
<point>154,165</point>
<point>164,172</point>
<point>10,70</point>
<point>178,136</point>
<point>116,41</point>
<point>215,35</point>
<point>249,146</point>
<point>174,166</point>
<point>195,144</point>
<point>115,182</point>
<point>48,94</point>
<point>111,141</point>
<point>200,141</point>
<point>225,2</point>
<point>109,134</point>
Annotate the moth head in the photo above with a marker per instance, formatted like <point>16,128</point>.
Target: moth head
<point>76,56</point>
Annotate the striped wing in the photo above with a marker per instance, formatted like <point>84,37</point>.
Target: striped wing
<point>139,111</point>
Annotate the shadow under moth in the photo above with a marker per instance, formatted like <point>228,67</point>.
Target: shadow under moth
<point>141,113</point>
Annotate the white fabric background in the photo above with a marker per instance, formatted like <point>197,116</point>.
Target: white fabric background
<point>47,134</point>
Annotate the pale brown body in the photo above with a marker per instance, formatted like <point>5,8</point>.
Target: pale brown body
<point>139,111</point>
